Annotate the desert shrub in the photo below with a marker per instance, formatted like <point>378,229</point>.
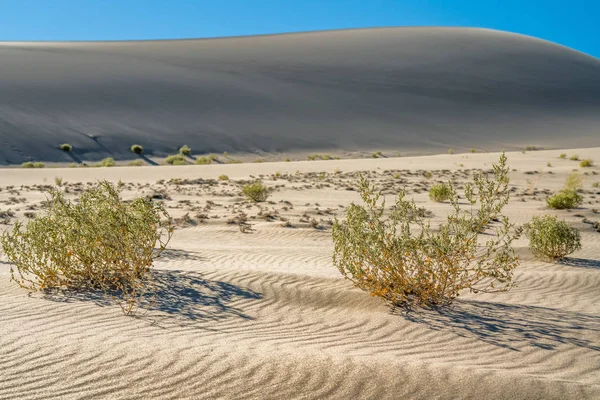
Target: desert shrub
<point>563,155</point>
<point>388,258</point>
<point>574,181</point>
<point>137,149</point>
<point>440,192</point>
<point>586,162</point>
<point>550,238</point>
<point>565,199</point>
<point>107,162</point>
<point>66,147</point>
<point>203,161</point>
<point>256,191</point>
<point>185,150</point>
<point>176,159</point>
<point>39,164</point>
<point>574,157</point>
<point>135,163</point>
<point>473,150</point>
<point>28,164</point>
<point>450,151</point>
<point>100,242</point>
<point>223,177</point>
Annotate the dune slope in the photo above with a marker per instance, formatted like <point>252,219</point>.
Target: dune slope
<point>419,89</point>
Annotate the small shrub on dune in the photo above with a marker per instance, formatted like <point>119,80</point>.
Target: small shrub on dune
<point>135,163</point>
<point>563,155</point>
<point>185,150</point>
<point>574,181</point>
<point>390,259</point>
<point>565,199</point>
<point>176,159</point>
<point>100,242</point>
<point>574,157</point>
<point>551,239</point>
<point>137,149</point>
<point>450,151</point>
<point>223,177</point>
<point>586,162</point>
<point>256,191</point>
<point>66,147</point>
<point>107,162</point>
<point>31,164</point>
<point>203,161</point>
<point>440,192</point>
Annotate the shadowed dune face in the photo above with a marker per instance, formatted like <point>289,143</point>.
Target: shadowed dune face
<point>422,89</point>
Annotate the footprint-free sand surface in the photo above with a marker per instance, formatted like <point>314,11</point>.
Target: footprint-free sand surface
<point>265,314</point>
<point>412,90</point>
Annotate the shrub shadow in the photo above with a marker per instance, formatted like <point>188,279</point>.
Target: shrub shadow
<point>580,262</point>
<point>184,296</point>
<point>510,326</point>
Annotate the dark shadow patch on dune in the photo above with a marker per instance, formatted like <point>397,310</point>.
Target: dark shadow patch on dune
<point>179,254</point>
<point>510,326</point>
<point>580,263</point>
<point>149,161</point>
<point>176,295</point>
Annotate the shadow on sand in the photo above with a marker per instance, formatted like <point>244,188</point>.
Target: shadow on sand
<point>184,296</point>
<point>511,326</point>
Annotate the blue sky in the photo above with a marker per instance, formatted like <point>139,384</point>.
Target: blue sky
<point>574,23</point>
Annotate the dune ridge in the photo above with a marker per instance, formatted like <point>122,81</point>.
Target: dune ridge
<point>419,90</point>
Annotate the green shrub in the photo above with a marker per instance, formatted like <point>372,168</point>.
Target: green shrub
<point>203,161</point>
<point>450,151</point>
<point>574,181</point>
<point>550,238</point>
<point>100,242</point>
<point>66,147</point>
<point>107,162</point>
<point>137,149</point>
<point>563,155</point>
<point>389,258</point>
<point>176,159</point>
<point>256,191</point>
<point>440,192</point>
<point>185,150</point>
<point>565,199</point>
<point>473,150</point>
<point>586,162</point>
<point>223,177</point>
<point>135,163</point>
<point>574,157</point>
<point>31,164</point>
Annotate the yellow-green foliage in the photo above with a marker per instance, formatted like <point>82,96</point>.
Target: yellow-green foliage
<point>565,199</point>
<point>552,239</point>
<point>31,164</point>
<point>185,150</point>
<point>66,147</point>
<point>100,242</point>
<point>136,163</point>
<point>389,258</point>
<point>450,151</point>
<point>563,155</point>
<point>574,181</point>
<point>256,191</point>
<point>107,162</point>
<point>176,159</point>
<point>203,161</point>
<point>574,157</point>
<point>137,149</point>
<point>440,192</point>
<point>223,177</point>
<point>586,162</point>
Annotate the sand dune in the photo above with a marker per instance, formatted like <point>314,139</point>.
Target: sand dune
<point>405,89</point>
<point>266,315</point>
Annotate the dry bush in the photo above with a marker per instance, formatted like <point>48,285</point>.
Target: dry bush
<point>404,261</point>
<point>440,192</point>
<point>550,238</point>
<point>99,243</point>
<point>256,191</point>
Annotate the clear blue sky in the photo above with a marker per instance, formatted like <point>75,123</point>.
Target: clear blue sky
<point>574,23</point>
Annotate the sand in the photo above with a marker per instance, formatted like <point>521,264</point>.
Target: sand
<point>412,90</point>
<point>266,315</point>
